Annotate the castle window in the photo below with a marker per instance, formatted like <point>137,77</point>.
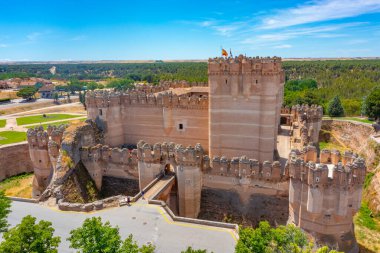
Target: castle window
<point>39,161</point>
<point>317,179</point>
<point>257,81</point>
<point>226,81</point>
<point>180,126</point>
<point>100,112</point>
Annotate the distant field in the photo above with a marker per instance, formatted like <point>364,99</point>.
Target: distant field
<point>8,94</point>
<point>56,123</point>
<point>18,186</point>
<point>3,122</point>
<point>40,119</point>
<point>8,137</point>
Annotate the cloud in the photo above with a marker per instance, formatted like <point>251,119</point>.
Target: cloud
<point>78,38</point>
<point>3,45</point>
<point>33,36</point>
<point>325,31</point>
<point>283,46</point>
<point>318,11</point>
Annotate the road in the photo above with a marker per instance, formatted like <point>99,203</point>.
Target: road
<point>147,223</point>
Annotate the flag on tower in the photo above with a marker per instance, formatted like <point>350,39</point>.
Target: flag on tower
<point>224,53</point>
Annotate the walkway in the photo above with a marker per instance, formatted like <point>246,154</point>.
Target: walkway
<point>283,144</point>
<point>147,223</point>
<point>158,187</point>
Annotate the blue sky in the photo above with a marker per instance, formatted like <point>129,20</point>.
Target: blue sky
<point>173,29</point>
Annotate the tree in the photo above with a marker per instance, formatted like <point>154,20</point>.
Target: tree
<point>191,250</point>
<point>5,205</point>
<point>56,96</point>
<point>29,236</point>
<point>130,246</point>
<point>96,237</point>
<point>92,86</point>
<point>282,239</point>
<point>27,92</point>
<point>335,108</point>
<point>372,104</point>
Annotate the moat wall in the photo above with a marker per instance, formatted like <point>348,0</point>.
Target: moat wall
<point>14,160</point>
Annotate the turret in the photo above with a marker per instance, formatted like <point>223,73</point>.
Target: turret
<point>324,195</point>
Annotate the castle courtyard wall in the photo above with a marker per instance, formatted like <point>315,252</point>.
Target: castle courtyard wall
<point>14,160</point>
<point>126,123</point>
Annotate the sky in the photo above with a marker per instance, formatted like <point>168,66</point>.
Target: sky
<point>36,30</point>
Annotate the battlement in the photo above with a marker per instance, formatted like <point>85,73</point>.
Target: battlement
<point>307,113</point>
<point>38,138</point>
<point>245,65</point>
<point>330,168</point>
<point>243,167</point>
<point>107,154</point>
<point>158,152</point>
<point>108,98</point>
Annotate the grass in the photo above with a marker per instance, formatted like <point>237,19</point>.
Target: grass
<point>18,186</point>
<point>367,230</point>
<point>8,137</point>
<point>330,146</point>
<point>357,119</point>
<point>40,119</point>
<point>3,122</point>
<point>56,123</point>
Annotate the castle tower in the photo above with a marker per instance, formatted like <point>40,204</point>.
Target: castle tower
<point>245,102</point>
<point>189,178</point>
<point>324,197</point>
<point>43,150</point>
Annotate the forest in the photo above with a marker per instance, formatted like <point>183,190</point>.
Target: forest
<point>311,82</point>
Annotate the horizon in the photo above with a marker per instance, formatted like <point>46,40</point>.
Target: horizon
<point>172,31</point>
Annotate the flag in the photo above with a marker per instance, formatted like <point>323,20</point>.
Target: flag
<point>224,53</point>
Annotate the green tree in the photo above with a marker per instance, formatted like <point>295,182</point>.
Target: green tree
<point>282,239</point>
<point>5,205</point>
<point>56,96</point>
<point>29,236</point>
<point>92,86</point>
<point>191,250</point>
<point>27,92</point>
<point>130,246</point>
<point>335,108</point>
<point>372,104</point>
<point>95,237</point>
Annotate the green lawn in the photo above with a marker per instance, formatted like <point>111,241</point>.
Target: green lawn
<point>8,137</point>
<point>3,122</point>
<point>40,119</point>
<point>55,124</point>
<point>362,120</point>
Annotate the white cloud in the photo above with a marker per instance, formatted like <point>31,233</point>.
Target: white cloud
<point>320,10</point>
<point>3,45</point>
<point>283,46</point>
<point>33,36</point>
<point>79,38</point>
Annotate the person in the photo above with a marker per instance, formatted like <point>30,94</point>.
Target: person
<point>142,194</point>
<point>128,201</point>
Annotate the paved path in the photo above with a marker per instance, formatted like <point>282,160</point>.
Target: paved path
<point>147,223</point>
<point>283,144</point>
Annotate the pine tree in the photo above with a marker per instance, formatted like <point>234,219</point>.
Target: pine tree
<point>335,108</point>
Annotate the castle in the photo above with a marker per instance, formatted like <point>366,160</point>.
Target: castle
<point>221,135</point>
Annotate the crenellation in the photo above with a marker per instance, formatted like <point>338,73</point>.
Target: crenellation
<point>107,98</point>
<point>325,193</point>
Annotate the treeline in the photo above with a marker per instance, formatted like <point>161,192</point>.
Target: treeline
<point>149,72</point>
<point>351,80</point>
